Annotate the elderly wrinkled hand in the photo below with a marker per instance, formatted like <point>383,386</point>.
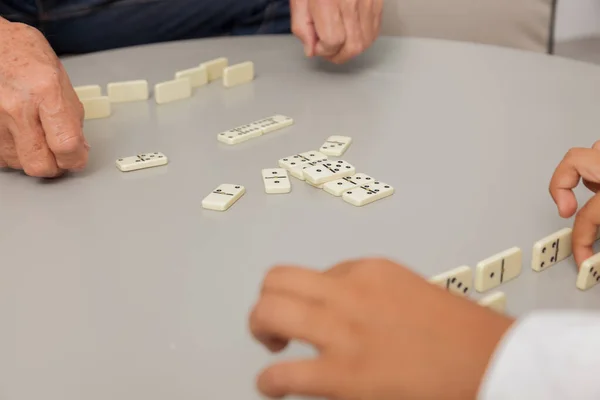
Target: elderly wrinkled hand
<point>336,30</point>
<point>41,117</point>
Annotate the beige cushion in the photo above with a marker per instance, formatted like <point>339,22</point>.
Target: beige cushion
<point>523,24</point>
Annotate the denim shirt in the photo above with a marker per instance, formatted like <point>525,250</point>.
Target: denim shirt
<point>80,26</point>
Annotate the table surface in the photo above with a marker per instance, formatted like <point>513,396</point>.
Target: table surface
<point>120,286</point>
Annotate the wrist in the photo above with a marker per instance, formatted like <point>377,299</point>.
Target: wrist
<point>477,334</point>
<point>486,348</point>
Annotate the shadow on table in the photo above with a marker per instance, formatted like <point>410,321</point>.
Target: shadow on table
<point>23,175</point>
<point>371,58</point>
<point>49,181</point>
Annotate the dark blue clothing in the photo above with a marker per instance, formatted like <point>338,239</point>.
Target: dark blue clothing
<point>81,26</point>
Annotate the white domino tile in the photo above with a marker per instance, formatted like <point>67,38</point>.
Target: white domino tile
<point>198,76</point>
<point>96,107</point>
<point>142,161</point>
<point>339,186</point>
<point>589,273</point>
<point>240,134</point>
<point>498,269</point>
<point>297,160</point>
<point>495,301</point>
<point>458,280</point>
<point>238,74</point>
<point>88,91</point>
<point>214,68</point>
<point>336,146</point>
<point>170,91</point>
<point>298,172</point>
<point>551,250</point>
<point>274,123</point>
<point>223,197</point>
<point>328,171</point>
<point>122,92</point>
<point>276,181</point>
<point>368,193</point>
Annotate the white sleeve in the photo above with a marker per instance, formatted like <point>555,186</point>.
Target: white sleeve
<point>549,356</point>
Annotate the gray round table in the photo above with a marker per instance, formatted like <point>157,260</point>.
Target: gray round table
<point>120,286</point>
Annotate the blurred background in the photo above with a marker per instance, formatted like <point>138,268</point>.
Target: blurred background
<point>578,29</point>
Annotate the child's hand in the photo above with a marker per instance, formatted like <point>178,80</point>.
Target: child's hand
<point>382,333</point>
<point>579,164</point>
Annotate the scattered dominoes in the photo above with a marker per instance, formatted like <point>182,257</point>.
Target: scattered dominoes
<point>339,186</point>
<point>328,171</point>
<point>495,301</point>
<point>122,92</point>
<point>88,91</point>
<point>170,91</point>
<point>551,250</point>
<point>198,76</point>
<point>589,273</point>
<point>457,280</point>
<point>141,161</point>
<point>276,180</point>
<point>96,107</point>
<point>238,74</point>
<point>223,197</point>
<point>498,269</point>
<point>254,129</point>
<point>366,194</point>
<point>336,146</point>
<point>336,177</point>
<point>298,172</point>
<point>214,68</point>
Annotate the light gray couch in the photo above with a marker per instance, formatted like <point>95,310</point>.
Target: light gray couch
<point>522,24</point>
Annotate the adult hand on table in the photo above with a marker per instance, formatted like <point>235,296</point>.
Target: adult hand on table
<point>382,332</point>
<point>41,116</point>
<point>579,164</point>
<point>336,30</point>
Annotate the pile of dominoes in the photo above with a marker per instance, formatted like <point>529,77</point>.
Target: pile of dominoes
<point>336,177</point>
<point>507,265</point>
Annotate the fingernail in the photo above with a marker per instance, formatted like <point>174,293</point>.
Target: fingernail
<point>307,50</point>
<point>86,144</point>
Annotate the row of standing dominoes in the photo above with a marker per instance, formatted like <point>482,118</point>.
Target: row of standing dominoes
<point>459,280</point>
<point>489,274</point>
<point>558,246</point>
<point>98,106</point>
<point>507,265</point>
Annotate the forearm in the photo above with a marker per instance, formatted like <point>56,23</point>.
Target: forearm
<point>547,355</point>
